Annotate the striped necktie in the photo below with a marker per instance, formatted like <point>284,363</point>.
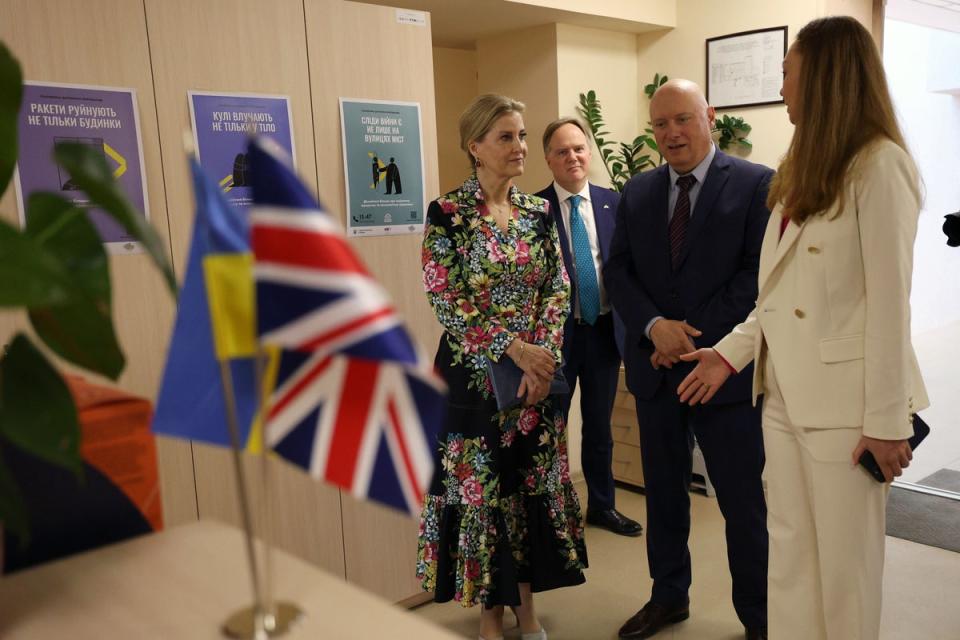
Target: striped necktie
<point>681,219</point>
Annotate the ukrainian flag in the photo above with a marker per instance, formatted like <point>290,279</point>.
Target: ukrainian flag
<point>216,324</point>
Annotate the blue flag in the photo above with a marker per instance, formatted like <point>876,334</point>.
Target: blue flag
<point>214,323</point>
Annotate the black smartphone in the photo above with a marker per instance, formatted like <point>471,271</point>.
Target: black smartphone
<point>868,462</point>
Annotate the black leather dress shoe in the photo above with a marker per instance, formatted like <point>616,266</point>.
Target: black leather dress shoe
<point>760,633</point>
<point>615,521</point>
<point>651,619</point>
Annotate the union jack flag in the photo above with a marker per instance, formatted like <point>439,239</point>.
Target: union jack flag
<point>354,401</point>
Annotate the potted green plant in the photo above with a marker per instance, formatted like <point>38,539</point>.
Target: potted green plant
<point>623,160</point>
<point>56,270</point>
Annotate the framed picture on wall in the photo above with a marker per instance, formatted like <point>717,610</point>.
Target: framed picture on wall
<point>744,69</point>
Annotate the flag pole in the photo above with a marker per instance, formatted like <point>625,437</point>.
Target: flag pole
<point>247,623</point>
<point>278,615</point>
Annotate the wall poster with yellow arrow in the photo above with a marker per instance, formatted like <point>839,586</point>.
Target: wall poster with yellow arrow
<point>105,118</point>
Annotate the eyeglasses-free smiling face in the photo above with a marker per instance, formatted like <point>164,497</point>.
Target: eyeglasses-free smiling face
<point>568,157</point>
<point>503,149</point>
<point>682,122</point>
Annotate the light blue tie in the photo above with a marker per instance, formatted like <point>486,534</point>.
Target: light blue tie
<point>587,288</point>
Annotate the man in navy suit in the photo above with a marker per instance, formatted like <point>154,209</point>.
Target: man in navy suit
<point>586,215</point>
<point>682,271</point>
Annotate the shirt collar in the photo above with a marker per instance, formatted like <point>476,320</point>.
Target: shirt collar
<point>563,195</point>
<point>700,171</point>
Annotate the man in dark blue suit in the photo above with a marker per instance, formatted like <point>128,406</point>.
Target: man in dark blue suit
<point>682,272</point>
<point>592,335</point>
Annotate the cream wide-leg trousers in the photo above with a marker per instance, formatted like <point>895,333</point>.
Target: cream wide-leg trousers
<point>826,521</point>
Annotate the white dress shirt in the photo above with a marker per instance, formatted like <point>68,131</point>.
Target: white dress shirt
<point>586,213</point>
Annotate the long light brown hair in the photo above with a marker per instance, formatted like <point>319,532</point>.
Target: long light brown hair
<point>844,106</point>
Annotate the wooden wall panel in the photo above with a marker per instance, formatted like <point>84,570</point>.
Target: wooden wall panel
<point>164,48</point>
<point>72,42</point>
<point>361,51</point>
<point>306,514</point>
<point>247,47</point>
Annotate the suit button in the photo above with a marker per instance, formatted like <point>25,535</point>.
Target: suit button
<point>813,249</point>
<point>799,313</point>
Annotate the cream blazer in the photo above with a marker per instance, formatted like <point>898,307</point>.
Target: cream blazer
<point>833,308</point>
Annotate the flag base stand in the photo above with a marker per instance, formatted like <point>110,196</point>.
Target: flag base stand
<point>250,623</point>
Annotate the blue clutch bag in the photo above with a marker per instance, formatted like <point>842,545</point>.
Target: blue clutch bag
<point>505,378</point>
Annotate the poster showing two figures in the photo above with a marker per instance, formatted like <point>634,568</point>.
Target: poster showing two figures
<point>383,166</point>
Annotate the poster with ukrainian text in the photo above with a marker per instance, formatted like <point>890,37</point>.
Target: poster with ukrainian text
<point>222,126</point>
<point>106,118</point>
<point>383,167</point>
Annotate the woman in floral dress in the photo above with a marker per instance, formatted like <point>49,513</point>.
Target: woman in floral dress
<point>501,520</point>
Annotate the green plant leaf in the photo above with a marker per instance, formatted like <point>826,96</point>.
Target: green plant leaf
<point>11,93</point>
<point>37,412</point>
<point>90,172</point>
<point>81,330</point>
<point>65,231</point>
<point>29,276</point>
<point>13,514</point>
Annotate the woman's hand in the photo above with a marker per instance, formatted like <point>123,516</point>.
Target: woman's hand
<point>536,390</point>
<point>705,379</point>
<point>892,456</point>
<point>532,359</point>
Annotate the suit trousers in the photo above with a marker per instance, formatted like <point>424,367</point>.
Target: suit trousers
<point>826,523</point>
<point>594,360</point>
<point>731,441</point>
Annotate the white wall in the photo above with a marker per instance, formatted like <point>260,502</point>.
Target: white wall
<point>931,122</point>
<point>680,53</point>
<point>522,64</point>
<point>605,61</point>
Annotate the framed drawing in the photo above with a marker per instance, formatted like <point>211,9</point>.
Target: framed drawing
<point>743,69</point>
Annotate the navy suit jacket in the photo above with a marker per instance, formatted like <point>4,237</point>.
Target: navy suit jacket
<point>604,202</point>
<point>715,285</point>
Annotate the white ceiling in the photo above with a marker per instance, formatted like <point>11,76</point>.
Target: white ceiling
<point>937,14</point>
<point>460,23</point>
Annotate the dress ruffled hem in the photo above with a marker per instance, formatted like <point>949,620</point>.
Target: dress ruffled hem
<point>478,554</point>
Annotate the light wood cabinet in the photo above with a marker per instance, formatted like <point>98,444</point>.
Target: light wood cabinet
<point>626,436</point>
<point>627,466</point>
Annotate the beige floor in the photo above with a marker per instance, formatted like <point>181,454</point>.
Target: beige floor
<point>922,588</point>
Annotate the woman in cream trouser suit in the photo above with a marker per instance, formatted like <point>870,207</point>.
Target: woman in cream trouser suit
<point>830,334</point>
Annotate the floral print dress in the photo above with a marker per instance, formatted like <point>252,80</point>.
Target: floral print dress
<point>501,509</point>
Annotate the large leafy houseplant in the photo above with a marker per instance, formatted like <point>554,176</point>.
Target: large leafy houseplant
<point>623,160</point>
<point>56,270</point>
